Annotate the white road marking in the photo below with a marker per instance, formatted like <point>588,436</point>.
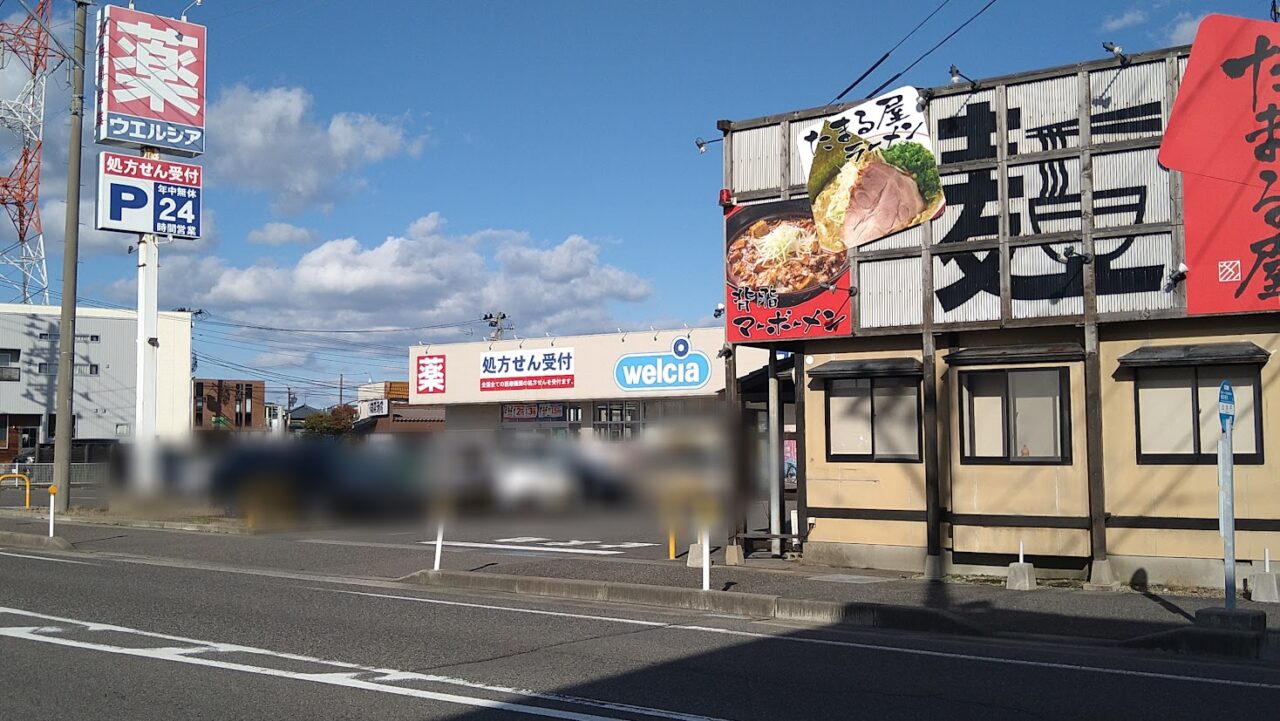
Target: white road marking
<point>195,652</point>
<point>856,645</point>
<point>46,558</point>
<point>512,547</point>
<point>437,601</point>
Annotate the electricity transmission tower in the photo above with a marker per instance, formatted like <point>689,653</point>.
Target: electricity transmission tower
<point>24,57</point>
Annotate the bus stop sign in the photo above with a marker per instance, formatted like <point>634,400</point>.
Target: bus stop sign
<point>1226,406</point>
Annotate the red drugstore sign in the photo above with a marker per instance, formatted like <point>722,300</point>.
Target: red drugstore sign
<point>150,81</point>
<point>1224,135</point>
<point>431,374</point>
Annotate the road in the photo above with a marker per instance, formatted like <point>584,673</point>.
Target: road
<point>98,636</point>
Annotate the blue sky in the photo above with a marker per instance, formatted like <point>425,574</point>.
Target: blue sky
<point>396,164</point>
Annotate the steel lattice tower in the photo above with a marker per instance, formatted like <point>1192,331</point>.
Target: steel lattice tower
<point>25,48</point>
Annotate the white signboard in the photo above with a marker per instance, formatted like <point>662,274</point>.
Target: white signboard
<point>519,369</point>
<point>375,407</point>
<point>138,195</point>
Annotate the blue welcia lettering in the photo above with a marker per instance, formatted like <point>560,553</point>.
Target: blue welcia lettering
<point>681,368</point>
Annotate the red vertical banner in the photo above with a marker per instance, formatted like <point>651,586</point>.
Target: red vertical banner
<point>1224,135</point>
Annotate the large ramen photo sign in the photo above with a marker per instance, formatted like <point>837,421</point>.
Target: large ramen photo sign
<point>871,173</point>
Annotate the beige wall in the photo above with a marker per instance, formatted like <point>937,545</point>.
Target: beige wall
<point>1177,491</point>
<point>1185,491</point>
<point>838,484</point>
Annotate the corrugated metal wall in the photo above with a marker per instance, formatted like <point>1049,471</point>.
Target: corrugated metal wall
<point>980,296</point>
<point>1039,187</point>
<point>1043,115</point>
<point>1127,102</point>
<point>1137,261</point>
<point>889,292</point>
<point>757,158</point>
<point>1047,280</point>
<point>1044,197</point>
<point>1130,188</point>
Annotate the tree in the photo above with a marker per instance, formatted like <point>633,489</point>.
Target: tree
<point>330,424</point>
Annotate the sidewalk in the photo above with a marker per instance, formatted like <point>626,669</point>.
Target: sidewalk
<point>985,603</point>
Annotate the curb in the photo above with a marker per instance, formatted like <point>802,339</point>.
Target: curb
<point>34,542</point>
<point>1203,641</point>
<point>138,523</point>
<point>865,615</point>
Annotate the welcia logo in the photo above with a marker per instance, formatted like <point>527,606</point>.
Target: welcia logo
<point>680,369</point>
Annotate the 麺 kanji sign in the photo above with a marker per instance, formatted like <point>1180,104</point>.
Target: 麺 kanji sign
<point>139,195</point>
<point>151,81</point>
<point>1224,135</point>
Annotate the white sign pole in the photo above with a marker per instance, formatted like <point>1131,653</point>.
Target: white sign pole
<point>439,544</point>
<point>144,422</point>
<point>1226,491</point>
<point>706,559</point>
<point>53,494</point>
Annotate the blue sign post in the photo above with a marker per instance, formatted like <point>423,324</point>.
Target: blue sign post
<point>1226,489</point>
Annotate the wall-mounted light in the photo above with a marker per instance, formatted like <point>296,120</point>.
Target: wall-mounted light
<point>702,144</point>
<point>553,340</point>
<point>1117,51</point>
<point>654,331</point>
<point>1071,252</point>
<point>833,288</point>
<point>719,311</point>
<point>624,335</point>
<point>1176,277</point>
<point>726,351</point>
<point>957,77</point>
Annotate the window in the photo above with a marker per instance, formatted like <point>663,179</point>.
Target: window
<point>81,369</point>
<point>199,404</point>
<point>619,420</point>
<point>9,368</point>
<point>1015,416</point>
<point>874,419</point>
<point>90,337</point>
<point>1177,414</point>
<point>248,406</point>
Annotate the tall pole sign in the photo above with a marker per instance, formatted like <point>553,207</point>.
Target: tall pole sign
<point>1226,489</point>
<point>151,97</point>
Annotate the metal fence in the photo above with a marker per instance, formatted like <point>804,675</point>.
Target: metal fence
<point>41,474</point>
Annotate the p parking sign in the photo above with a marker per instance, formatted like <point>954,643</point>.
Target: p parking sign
<point>140,195</point>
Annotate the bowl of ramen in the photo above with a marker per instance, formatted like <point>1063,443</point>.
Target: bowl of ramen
<point>785,254</point>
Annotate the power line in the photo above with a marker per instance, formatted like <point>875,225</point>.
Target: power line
<point>885,57</point>
<point>931,50</point>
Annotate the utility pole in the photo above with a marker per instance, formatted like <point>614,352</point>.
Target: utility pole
<point>65,431</point>
<point>497,321</point>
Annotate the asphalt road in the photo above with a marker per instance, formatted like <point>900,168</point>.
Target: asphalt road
<point>94,636</point>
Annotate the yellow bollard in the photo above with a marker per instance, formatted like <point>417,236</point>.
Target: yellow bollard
<point>24,477</point>
<point>671,542</point>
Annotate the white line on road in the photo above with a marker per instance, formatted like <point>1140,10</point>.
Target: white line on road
<point>45,558</point>
<point>583,616</point>
<point>513,547</point>
<point>856,645</point>
<point>195,652</point>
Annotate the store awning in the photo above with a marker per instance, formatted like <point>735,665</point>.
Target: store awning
<point>1239,352</point>
<point>1012,354</point>
<point>872,368</point>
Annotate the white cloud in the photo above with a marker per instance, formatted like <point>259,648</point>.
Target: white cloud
<point>1127,19</point>
<point>270,142</point>
<point>1183,28</point>
<point>421,278</point>
<point>281,234</point>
